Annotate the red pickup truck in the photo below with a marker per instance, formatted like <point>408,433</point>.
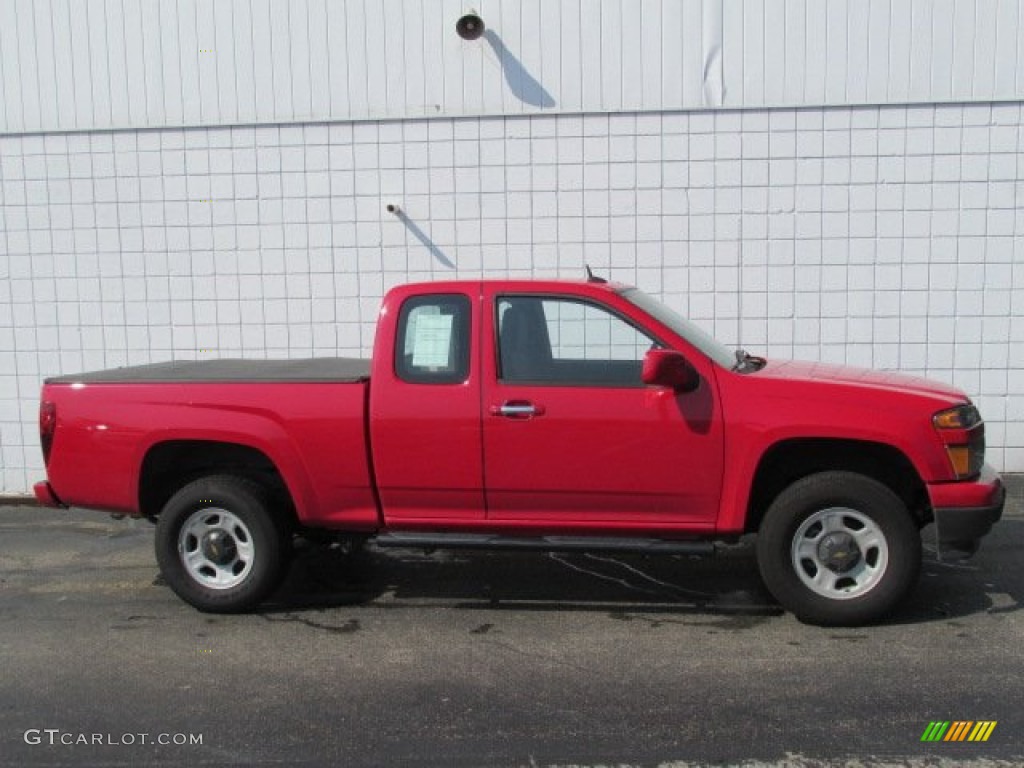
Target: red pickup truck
<point>551,415</point>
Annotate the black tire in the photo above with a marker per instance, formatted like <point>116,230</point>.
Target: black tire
<point>240,549</point>
<point>855,526</point>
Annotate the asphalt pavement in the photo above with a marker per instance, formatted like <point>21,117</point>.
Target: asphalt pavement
<point>405,658</point>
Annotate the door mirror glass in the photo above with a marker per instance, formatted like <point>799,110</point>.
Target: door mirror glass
<point>668,368</point>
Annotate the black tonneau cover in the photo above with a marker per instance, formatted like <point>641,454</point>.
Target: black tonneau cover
<point>317,369</point>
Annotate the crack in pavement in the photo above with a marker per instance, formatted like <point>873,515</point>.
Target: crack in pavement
<point>641,574</point>
<point>542,656</point>
<point>349,627</point>
<point>622,582</point>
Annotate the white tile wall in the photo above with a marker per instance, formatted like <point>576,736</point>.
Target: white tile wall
<point>890,237</point>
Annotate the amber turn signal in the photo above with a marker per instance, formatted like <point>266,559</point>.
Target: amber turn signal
<point>961,417</point>
<point>960,458</point>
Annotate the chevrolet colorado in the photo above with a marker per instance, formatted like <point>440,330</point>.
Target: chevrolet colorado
<point>551,415</point>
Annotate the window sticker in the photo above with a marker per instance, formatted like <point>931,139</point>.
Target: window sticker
<point>432,341</point>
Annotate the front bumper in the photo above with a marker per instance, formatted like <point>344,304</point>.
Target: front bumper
<point>966,511</point>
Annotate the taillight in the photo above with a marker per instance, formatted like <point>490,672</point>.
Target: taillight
<point>47,426</point>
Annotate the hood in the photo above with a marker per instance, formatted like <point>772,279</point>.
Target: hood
<point>793,370</point>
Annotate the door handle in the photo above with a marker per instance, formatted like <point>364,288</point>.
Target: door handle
<point>517,409</point>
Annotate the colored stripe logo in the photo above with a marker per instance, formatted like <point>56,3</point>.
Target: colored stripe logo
<point>959,730</point>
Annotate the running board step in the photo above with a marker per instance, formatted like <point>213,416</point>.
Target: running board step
<point>544,544</point>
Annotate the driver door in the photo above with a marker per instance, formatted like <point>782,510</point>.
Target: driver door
<point>571,433</point>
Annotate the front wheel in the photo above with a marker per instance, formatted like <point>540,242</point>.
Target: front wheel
<point>838,549</point>
<point>219,546</point>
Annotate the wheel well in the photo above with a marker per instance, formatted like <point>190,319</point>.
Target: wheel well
<point>788,461</point>
<point>169,466</point>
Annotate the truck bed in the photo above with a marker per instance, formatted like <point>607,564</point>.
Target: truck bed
<point>317,369</point>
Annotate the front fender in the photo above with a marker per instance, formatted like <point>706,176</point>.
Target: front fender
<point>758,424</point>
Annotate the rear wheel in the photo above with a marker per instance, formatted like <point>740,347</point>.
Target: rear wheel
<point>219,546</point>
<point>838,548</point>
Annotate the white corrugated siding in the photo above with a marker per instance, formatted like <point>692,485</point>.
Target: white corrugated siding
<point>100,64</point>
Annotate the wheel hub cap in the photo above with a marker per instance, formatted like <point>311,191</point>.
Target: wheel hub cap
<point>839,552</point>
<point>216,548</point>
<point>219,547</point>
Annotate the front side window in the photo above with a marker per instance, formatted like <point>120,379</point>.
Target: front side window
<point>569,342</point>
<point>433,340</point>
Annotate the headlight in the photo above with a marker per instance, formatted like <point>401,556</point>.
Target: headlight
<point>963,433</point>
<point>961,417</point>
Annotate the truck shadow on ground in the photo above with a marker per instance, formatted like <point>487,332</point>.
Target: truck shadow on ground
<point>727,585</point>
<point>989,582</point>
<point>323,578</point>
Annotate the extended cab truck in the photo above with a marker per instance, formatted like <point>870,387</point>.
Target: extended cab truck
<point>538,415</point>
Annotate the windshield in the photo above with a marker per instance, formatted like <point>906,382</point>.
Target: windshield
<point>702,340</point>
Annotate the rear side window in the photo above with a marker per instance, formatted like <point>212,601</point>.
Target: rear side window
<point>433,339</point>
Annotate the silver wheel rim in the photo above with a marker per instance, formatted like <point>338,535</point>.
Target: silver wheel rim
<point>839,553</point>
<point>216,548</point>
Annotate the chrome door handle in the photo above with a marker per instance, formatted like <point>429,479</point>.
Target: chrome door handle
<point>517,410</point>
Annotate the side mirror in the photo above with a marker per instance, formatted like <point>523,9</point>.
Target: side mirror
<point>668,368</point>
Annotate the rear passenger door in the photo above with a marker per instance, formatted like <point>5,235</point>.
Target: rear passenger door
<point>572,434</point>
<point>425,412</point>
